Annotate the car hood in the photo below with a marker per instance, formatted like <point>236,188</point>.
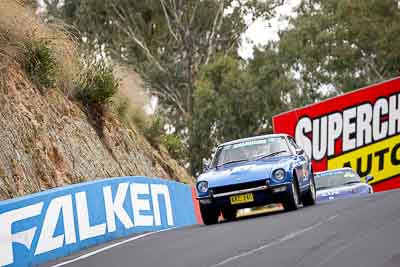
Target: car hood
<point>342,191</point>
<point>245,172</point>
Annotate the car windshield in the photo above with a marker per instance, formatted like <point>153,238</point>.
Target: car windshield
<point>251,150</point>
<point>335,179</point>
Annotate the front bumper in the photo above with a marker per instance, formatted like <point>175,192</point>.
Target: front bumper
<point>262,195</point>
<point>326,198</point>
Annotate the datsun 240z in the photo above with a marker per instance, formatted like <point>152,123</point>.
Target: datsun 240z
<point>252,172</point>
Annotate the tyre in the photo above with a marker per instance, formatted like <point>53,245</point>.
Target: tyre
<point>292,202</point>
<point>309,197</point>
<point>229,214</point>
<point>209,214</point>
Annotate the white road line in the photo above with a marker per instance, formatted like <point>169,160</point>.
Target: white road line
<point>109,247</point>
<point>275,242</point>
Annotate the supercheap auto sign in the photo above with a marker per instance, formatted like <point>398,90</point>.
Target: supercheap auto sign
<point>359,129</point>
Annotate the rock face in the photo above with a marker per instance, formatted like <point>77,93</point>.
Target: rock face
<point>48,141</point>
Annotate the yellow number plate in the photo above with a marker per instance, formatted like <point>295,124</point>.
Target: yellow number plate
<point>243,198</point>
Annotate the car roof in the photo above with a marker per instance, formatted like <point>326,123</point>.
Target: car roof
<point>335,170</point>
<point>252,138</point>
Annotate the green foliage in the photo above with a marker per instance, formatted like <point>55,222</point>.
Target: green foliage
<point>343,44</point>
<point>187,54</point>
<point>98,85</point>
<point>155,132</point>
<point>235,99</point>
<point>40,64</point>
<point>175,147</point>
<point>274,82</point>
<point>130,114</point>
<point>121,106</point>
<point>167,42</point>
<point>157,136</point>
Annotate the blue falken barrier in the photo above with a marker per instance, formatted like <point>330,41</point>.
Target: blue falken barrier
<point>45,226</point>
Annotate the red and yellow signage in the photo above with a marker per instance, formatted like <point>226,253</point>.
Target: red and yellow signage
<point>360,129</point>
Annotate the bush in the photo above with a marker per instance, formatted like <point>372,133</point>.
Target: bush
<point>131,100</point>
<point>156,135</point>
<point>130,113</point>
<point>40,64</point>
<point>121,107</point>
<point>98,84</point>
<point>175,147</point>
<point>155,132</point>
<point>47,52</point>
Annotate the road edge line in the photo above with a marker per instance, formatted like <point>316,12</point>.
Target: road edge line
<point>92,253</point>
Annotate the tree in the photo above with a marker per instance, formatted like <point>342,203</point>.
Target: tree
<point>225,107</point>
<point>342,44</point>
<point>167,41</point>
<point>236,99</point>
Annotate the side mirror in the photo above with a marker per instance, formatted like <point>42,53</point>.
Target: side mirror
<point>369,178</point>
<point>299,151</point>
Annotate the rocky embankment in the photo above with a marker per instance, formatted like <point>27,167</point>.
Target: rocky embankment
<point>46,141</point>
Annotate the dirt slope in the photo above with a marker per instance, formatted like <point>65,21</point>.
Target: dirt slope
<point>48,141</point>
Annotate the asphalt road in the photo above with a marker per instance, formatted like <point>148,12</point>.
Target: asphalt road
<point>361,232</point>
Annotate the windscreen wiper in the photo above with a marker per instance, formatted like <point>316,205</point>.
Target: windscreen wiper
<point>270,154</point>
<point>233,161</point>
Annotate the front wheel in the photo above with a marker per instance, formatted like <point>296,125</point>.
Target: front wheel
<point>209,214</point>
<point>309,197</point>
<point>292,202</point>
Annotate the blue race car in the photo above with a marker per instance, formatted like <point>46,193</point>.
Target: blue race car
<point>340,183</point>
<point>253,172</point>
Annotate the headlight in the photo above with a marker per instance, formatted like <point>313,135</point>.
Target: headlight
<point>202,186</point>
<point>279,174</point>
